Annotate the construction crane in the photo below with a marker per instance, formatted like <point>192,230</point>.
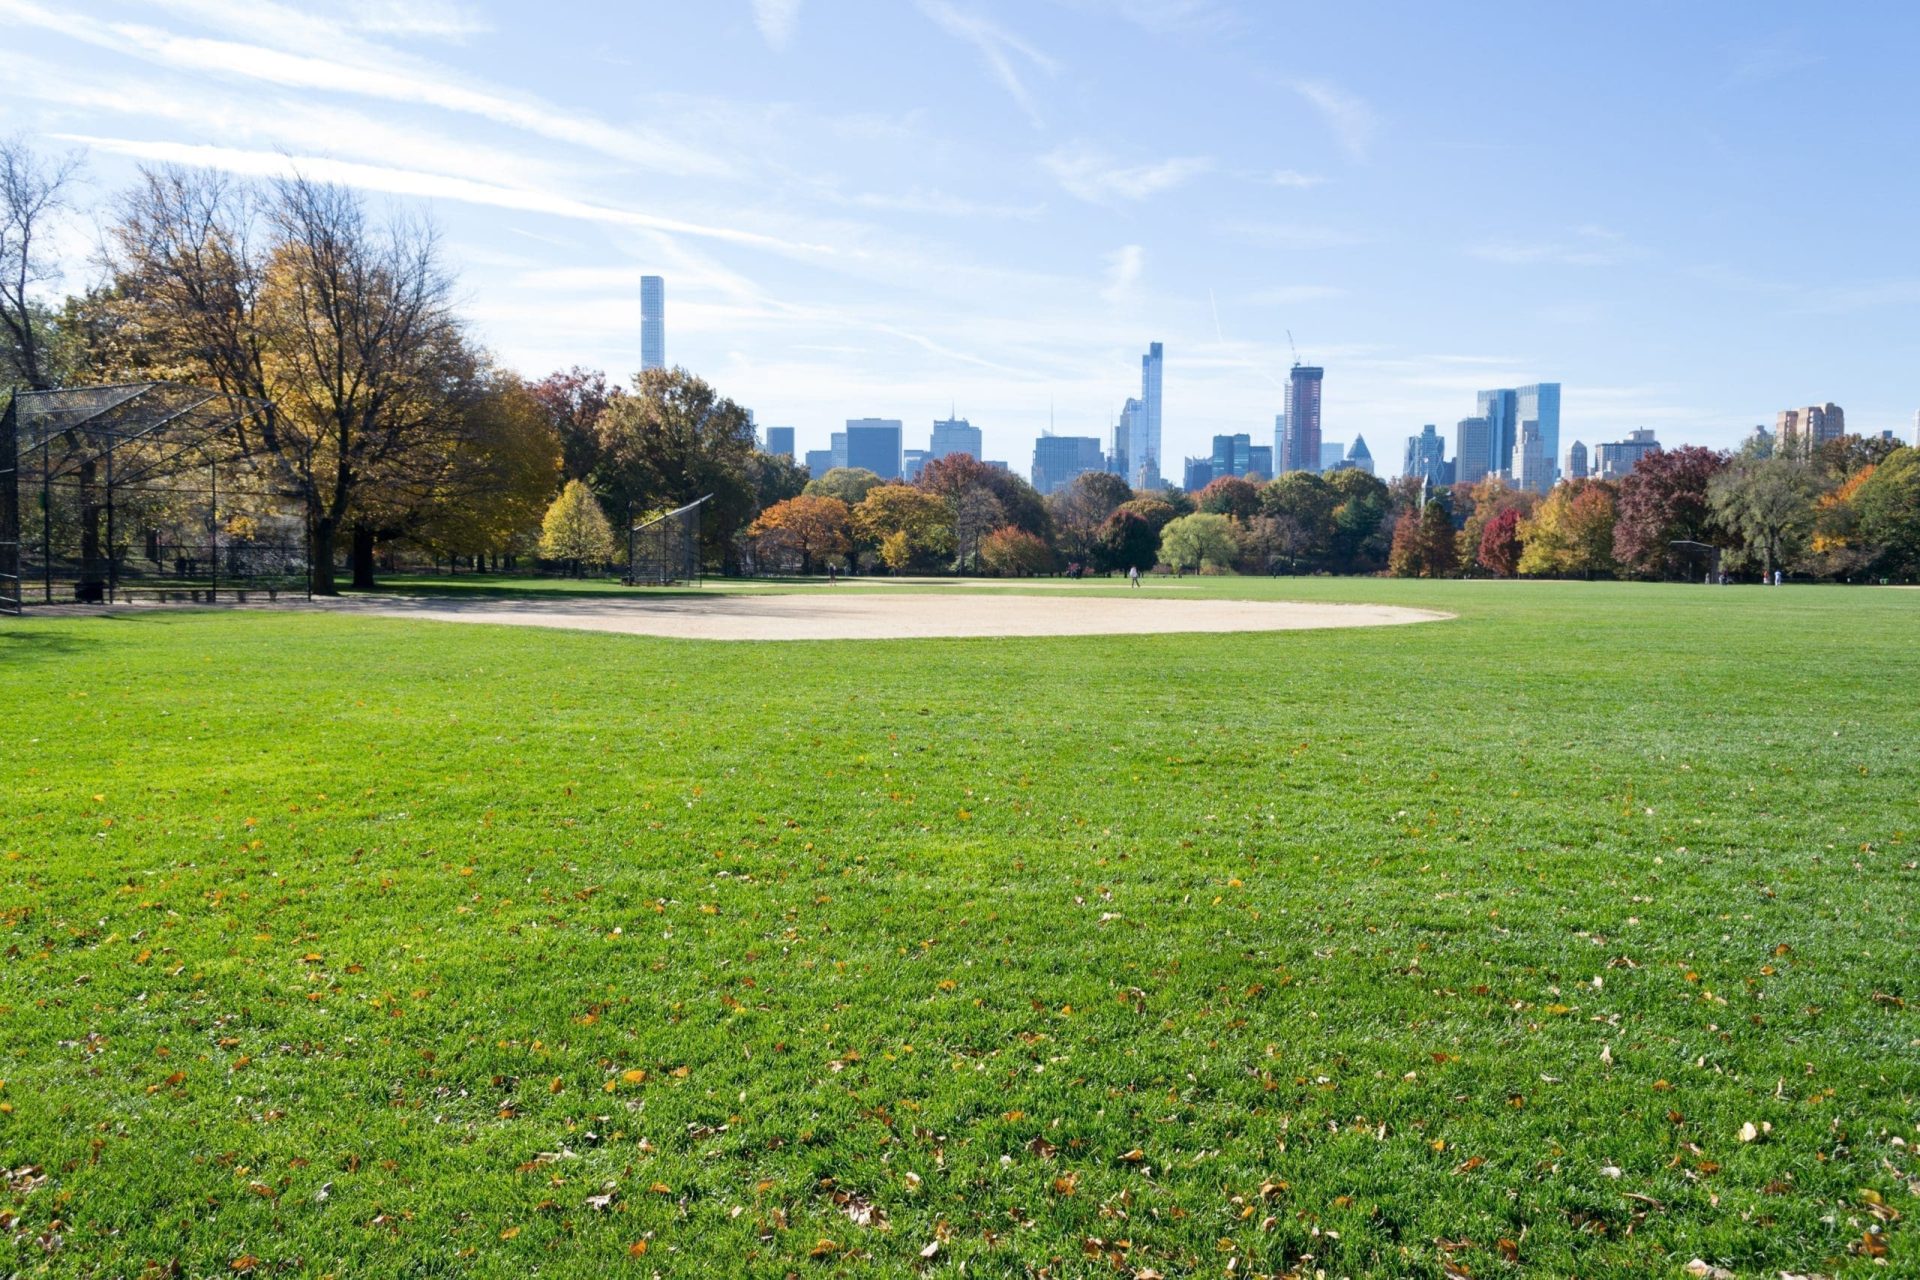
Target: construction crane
<point>1294,349</point>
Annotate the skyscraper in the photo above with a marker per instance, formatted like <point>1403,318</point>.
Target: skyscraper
<point>1916,428</point>
<point>1332,455</point>
<point>1540,405</point>
<point>875,444</point>
<point>1058,459</point>
<point>1303,418</point>
<point>1616,459</point>
<point>839,442</point>
<point>1280,436</point>
<point>1472,450</point>
<point>1129,439</point>
<point>1197,475</point>
<point>1359,458</point>
<point>1577,461</point>
<point>1531,470</point>
<point>780,441</point>
<point>1143,441</point>
<point>954,435</point>
<point>1232,455</point>
<point>1798,432</point>
<point>1260,461</point>
<point>1426,456</point>
<point>1498,407</point>
<point>653,322</point>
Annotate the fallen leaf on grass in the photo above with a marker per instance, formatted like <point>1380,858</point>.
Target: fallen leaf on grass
<point>1704,1270</point>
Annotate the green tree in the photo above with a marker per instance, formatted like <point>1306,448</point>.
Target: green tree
<point>1301,504</point>
<point>849,484</point>
<point>1079,509</point>
<point>575,531</point>
<point>573,401</point>
<point>1768,504</point>
<point>491,499</point>
<point>1361,531</point>
<point>1199,540</point>
<point>672,441</point>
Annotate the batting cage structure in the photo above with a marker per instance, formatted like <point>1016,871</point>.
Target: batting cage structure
<point>145,489</point>
<point>666,549</point>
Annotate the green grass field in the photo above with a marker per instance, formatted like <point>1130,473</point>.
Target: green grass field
<point>372,947</point>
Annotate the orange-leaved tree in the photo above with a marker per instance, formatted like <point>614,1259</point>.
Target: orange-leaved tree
<point>809,528</point>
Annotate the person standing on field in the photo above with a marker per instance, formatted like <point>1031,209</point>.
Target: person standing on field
<point>1133,575</point>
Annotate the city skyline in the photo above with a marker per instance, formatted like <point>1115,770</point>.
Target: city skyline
<point>982,213</point>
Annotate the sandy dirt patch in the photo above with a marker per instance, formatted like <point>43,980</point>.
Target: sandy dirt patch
<point>878,616</point>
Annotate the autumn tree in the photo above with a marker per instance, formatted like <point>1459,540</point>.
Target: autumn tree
<point>1571,533</point>
<point>809,527</point>
<point>1079,509</point>
<point>1125,540</point>
<point>1480,504</point>
<point>573,401</point>
<point>672,441</point>
<point>1404,558</point>
<point>292,294</point>
<point>575,531</point>
<point>1423,543</point>
<point>1768,505</point>
<point>1014,553</point>
<point>33,196</point>
<point>1230,496</point>
<point>907,524</point>
<point>1663,500</point>
<point>491,499</point>
<point>1888,508</point>
<point>1199,540</point>
<point>1499,550</point>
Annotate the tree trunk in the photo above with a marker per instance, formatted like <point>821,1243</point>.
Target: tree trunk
<point>362,559</point>
<point>324,537</point>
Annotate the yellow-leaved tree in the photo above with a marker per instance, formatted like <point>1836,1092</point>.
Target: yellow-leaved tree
<point>575,530</point>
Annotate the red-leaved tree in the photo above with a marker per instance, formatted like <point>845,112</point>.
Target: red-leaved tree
<point>1500,544</point>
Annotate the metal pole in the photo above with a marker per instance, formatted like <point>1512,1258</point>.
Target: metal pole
<point>113,575</point>
<point>46,512</point>
<point>213,527</point>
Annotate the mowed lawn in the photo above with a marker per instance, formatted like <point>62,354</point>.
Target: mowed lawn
<point>1575,936</point>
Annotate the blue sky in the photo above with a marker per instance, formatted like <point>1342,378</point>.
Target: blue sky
<point>1690,215</point>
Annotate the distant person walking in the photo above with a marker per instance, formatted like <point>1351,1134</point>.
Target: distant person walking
<point>1776,577</point>
<point>1133,575</point>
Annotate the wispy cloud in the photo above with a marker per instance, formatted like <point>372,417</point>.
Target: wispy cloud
<point>1289,235</point>
<point>1294,179</point>
<point>1096,178</point>
<point>1163,15</point>
<point>1353,122</point>
<point>1587,246</point>
<point>434,19</point>
<point>430,186</point>
<point>1005,53</point>
<point>1124,266</point>
<point>776,20</point>
<point>382,78</point>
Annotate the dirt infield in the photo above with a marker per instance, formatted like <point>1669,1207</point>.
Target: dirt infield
<point>874,616</point>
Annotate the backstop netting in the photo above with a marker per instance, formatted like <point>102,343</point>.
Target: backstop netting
<point>154,488</point>
<point>666,549</point>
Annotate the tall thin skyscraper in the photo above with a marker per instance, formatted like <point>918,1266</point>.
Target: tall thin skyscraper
<point>1280,437</point>
<point>1500,409</point>
<point>1916,428</point>
<point>653,322</point>
<point>1303,418</point>
<point>1143,444</point>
